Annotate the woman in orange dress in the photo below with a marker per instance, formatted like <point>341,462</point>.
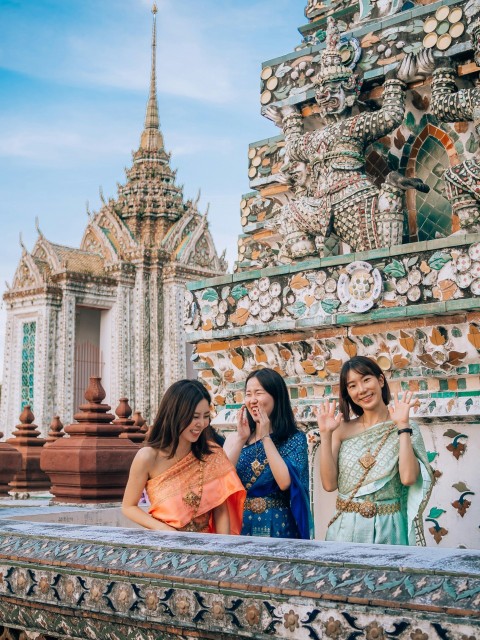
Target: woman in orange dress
<point>190,482</point>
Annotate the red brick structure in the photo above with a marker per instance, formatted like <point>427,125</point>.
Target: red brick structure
<point>26,441</point>
<point>91,465</point>
<point>132,429</point>
<point>56,431</point>
<point>140,422</point>
<point>10,464</point>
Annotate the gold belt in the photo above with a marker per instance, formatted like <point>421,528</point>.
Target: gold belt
<point>259,505</point>
<point>367,508</point>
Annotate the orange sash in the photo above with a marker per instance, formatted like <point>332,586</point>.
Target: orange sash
<point>174,494</point>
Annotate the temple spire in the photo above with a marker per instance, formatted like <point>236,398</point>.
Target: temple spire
<point>151,139</point>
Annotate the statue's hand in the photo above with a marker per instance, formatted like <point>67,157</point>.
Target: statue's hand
<point>425,63</point>
<point>408,69</point>
<point>277,114</point>
<point>282,178</point>
<point>274,114</point>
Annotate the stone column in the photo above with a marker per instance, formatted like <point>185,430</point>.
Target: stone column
<point>158,363</point>
<point>142,321</point>
<point>123,356</point>
<point>46,378</point>
<point>66,356</point>
<point>174,349</point>
<point>7,414</point>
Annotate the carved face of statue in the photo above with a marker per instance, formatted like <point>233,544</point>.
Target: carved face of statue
<point>330,97</point>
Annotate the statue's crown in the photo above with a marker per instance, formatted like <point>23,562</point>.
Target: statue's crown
<point>331,66</point>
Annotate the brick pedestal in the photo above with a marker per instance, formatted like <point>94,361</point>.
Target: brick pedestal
<point>26,441</point>
<point>91,465</point>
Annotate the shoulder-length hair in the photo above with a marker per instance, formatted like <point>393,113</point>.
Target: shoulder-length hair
<point>282,418</point>
<point>365,367</point>
<point>175,413</point>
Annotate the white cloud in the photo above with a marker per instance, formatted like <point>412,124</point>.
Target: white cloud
<point>52,143</point>
<point>183,144</point>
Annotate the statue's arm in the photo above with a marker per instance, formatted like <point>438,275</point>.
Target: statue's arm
<point>290,120</point>
<point>296,142</point>
<point>448,103</point>
<point>370,126</point>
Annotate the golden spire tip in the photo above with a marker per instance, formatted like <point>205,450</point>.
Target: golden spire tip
<point>154,8</point>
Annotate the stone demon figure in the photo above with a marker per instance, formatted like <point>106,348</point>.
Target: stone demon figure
<point>340,197</point>
<point>462,182</point>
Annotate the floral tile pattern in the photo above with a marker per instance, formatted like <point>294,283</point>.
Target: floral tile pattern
<point>69,588</point>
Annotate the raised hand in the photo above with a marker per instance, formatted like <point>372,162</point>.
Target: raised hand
<point>264,425</point>
<point>283,178</point>
<point>243,428</point>
<point>400,409</point>
<point>327,421</point>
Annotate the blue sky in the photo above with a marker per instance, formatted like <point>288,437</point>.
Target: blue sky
<point>74,78</point>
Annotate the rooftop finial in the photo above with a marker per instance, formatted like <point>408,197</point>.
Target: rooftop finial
<point>151,137</point>
<point>20,238</point>
<point>37,226</point>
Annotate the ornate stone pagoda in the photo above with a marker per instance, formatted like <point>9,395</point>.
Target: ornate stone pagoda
<point>114,307</point>
<point>360,235</point>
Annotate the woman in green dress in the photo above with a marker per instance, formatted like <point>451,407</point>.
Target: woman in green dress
<point>375,456</point>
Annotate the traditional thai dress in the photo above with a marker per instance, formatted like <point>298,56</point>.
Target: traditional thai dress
<point>185,495</point>
<point>383,511</point>
<point>269,511</point>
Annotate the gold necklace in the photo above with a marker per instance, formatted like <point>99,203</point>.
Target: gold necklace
<point>193,499</point>
<point>256,466</point>
<point>368,460</point>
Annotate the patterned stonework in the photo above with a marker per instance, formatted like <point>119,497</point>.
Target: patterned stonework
<point>207,587</point>
<point>449,272</point>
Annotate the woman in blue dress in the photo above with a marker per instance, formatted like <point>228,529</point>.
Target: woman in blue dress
<point>271,457</point>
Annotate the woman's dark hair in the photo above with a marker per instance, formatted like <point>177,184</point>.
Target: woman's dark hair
<point>282,418</point>
<point>365,367</point>
<point>175,413</point>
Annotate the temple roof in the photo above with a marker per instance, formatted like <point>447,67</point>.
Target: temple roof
<point>77,260</point>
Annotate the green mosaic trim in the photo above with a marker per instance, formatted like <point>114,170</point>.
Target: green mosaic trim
<point>29,330</point>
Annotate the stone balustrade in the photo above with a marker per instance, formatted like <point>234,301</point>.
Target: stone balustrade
<point>101,582</point>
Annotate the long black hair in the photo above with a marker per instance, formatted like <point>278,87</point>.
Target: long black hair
<point>365,367</point>
<point>282,418</point>
<point>175,413</point>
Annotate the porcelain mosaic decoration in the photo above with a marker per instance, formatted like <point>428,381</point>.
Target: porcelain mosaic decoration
<point>139,587</point>
<point>378,109</point>
<point>451,273</point>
